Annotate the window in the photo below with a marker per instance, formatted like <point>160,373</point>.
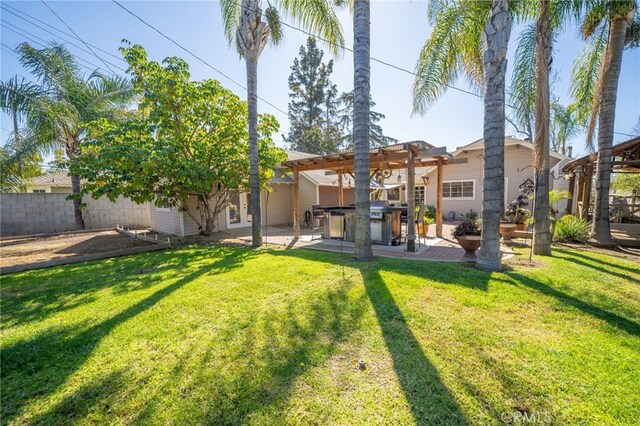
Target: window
<point>162,204</point>
<point>39,191</point>
<point>459,190</point>
<point>393,194</point>
<point>419,195</point>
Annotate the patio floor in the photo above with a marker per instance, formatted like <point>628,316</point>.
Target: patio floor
<point>433,248</point>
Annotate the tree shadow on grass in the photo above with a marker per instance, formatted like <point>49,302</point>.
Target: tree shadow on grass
<point>50,358</point>
<point>36,295</point>
<point>249,370</point>
<point>610,318</point>
<point>632,274</point>
<point>429,399</point>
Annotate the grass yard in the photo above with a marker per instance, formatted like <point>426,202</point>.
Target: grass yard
<point>231,335</point>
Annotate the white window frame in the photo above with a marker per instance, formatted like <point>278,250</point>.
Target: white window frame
<point>460,198</point>
<point>162,208</point>
<point>424,194</point>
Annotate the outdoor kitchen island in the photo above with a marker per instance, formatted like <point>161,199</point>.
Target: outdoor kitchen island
<point>340,222</point>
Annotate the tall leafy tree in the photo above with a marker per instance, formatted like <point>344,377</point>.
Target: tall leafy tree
<point>377,138</point>
<point>361,124</point>
<point>250,29</point>
<point>312,102</point>
<point>188,138</point>
<point>609,26</point>
<point>66,102</point>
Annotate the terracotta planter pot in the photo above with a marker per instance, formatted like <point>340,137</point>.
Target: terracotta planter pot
<point>507,229</point>
<point>520,226</point>
<point>470,244</point>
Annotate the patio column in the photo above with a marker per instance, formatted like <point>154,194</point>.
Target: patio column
<point>586,195</point>
<point>580,192</point>
<point>439,199</point>
<point>296,203</point>
<point>572,184</point>
<point>411,201</point>
<point>340,190</point>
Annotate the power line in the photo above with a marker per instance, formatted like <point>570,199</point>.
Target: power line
<point>62,38</point>
<point>194,55</point>
<point>44,45</point>
<point>4,6</point>
<point>83,42</point>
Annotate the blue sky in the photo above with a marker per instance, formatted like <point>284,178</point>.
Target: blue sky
<point>399,29</point>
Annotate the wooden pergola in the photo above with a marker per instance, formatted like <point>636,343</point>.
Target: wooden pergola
<point>625,158</point>
<point>407,155</point>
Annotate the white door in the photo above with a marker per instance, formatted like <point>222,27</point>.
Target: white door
<point>238,211</point>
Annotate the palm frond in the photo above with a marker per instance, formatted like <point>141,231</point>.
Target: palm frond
<point>585,81</point>
<point>523,82</point>
<point>230,18</point>
<point>453,47</point>
<point>318,17</point>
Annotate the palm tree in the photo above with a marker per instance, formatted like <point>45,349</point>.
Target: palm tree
<point>595,87</point>
<point>541,223</point>
<point>496,40</point>
<point>17,160</point>
<point>250,29</point>
<point>456,47</point>
<point>564,127</point>
<point>65,102</point>
<point>361,97</point>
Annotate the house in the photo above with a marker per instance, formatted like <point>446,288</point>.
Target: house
<point>56,183</point>
<point>463,182</point>
<point>316,187</point>
<point>462,189</point>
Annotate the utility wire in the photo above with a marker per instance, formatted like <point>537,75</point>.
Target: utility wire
<point>194,55</point>
<point>4,6</point>
<point>79,38</point>
<point>44,45</point>
<point>61,38</point>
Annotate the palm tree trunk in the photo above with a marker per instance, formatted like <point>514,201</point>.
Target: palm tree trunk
<point>77,203</point>
<point>361,73</point>
<point>541,223</point>
<point>254,172</point>
<point>496,40</point>
<point>601,230</point>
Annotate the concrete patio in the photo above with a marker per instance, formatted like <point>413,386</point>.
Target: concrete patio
<point>433,248</point>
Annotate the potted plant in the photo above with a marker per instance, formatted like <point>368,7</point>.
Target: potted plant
<point>517,213</point>
<point>426,221</point>
<point>468,235</point>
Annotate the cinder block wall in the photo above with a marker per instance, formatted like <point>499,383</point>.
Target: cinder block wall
<point>102,213</point>
<point>22,214</point>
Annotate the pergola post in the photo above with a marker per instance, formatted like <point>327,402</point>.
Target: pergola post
<point>579,196</point>
<point>296,203</point>
<point>340,190</point>
<point>411,201</point>
<point>572,184</point>
<point>439,199</point>
<point>586,194</point>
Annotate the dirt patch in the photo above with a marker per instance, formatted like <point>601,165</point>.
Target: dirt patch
<point>38,249</point>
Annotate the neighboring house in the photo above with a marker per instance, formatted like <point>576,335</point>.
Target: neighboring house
<point>57,183</point>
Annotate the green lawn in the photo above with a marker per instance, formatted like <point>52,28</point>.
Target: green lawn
<point>232,335</point>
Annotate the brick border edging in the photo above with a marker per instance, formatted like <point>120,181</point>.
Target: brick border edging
<point>79,259</point>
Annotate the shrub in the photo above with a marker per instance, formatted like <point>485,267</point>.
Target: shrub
<point>466,227</point>
<point>571,229</point>
<point>430,211</point>
<point>472,215</point>
<point>428,221</point>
